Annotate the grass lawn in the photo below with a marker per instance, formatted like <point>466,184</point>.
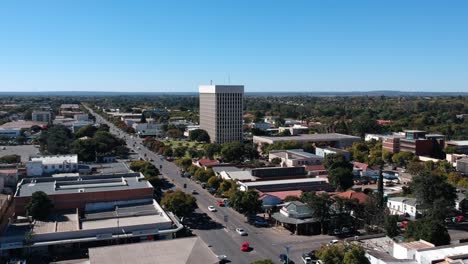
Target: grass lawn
<point>189,144</point>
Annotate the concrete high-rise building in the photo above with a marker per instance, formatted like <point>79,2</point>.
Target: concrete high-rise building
<point>221,112</point>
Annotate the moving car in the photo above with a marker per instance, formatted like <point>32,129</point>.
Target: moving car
<point>245,246</point>
<point>334,241</point>
<point>194,192</point>
<point>241,231</point>
<point>211,208</point>
<point>220,203</point>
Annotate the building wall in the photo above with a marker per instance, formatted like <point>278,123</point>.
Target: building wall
<point>399,208</point>
<point>221,110</point>
<point>79,200</point>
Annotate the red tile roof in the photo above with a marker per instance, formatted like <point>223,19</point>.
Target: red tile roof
<point>207,162</point>
<point>284,194</point>
<point>361,197</point>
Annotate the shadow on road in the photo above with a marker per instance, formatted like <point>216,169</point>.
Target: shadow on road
<point>201,221</point>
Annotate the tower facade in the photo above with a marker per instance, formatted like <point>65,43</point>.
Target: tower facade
<point>221,108</point>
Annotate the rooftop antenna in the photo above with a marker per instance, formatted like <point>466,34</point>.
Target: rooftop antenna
<point>211,82</point>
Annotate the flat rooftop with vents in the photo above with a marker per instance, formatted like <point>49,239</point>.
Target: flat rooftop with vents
<point>75,191</point>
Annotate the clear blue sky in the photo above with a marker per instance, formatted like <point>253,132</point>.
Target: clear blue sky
<point>267,45</point>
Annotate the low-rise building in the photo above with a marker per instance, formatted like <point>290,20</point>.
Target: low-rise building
<point>460,145</point>
<point>334,139</point>
<point>403,206</point>
<point>49,164</point>
<point>294,130</point>
<point>364,170</point>
<point>10,132</point>
<point>295,157</point>
<point>264,126</point>
<point>42,116</point>
<point>324,151</point>
<point>71,192</point>
<point>304,184</point>
<point>298,218</point>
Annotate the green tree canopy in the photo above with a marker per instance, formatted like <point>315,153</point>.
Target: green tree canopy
<point>232,152</point>
<point>39,206</point>
<point>199,135</point>
<point>178,202</point>
<point>430,230</point>
<point>10,159</point>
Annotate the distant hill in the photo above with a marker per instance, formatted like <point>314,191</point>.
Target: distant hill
<point>321,94</point>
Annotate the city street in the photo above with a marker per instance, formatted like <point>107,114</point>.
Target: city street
<point>266,243</point>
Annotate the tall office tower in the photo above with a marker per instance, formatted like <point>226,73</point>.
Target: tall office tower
<point>221,112</point>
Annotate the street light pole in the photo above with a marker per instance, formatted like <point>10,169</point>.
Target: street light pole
<point>287,247</point>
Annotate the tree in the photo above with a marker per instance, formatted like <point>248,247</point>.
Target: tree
<point>360,151</point>
<point>402,158</point>
<point>184,163</point>
<point>56,140</point>
<point>86,131</point>
<point>174,133</point>
<point>433,193</point>
<point>245,202</point>
<point>320,204</point>
<point>39,206</point>
<point>342,254</point>
<point>212,149</point>
<point>85,148</point>
<point>168,152</point>
<point>291,198</point>
<point>203,175</point>
<point>232,151</point>
<point>276,161</point>
<point>145,167</point>
<point>427,229</point>
<point>179,151</point>
<point>178,202</point>
<point>391,228</point>
<point>10,159</point>
<point>214,182</point>
<point>340,178</point>
<point>355,255</point>
<point>199,135</point>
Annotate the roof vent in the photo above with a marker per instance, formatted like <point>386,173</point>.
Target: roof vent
<point>81,190</point>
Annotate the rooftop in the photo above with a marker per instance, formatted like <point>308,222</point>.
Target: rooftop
<point>219,169</point>
<point>240,175</point>
<point>361,197</point>
<point>22,124</point>
<point>96,183</point>
<point>457,142</point>
<point>295,154</point>
<point>274,182</point>
<point>307,137</point>
<point>416,245</point>
<point>406,200</point>
<point>176,251</point>
<point>55,159</point>
<point>69,106</point>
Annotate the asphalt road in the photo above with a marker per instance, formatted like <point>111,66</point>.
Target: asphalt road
<point>266,243</point>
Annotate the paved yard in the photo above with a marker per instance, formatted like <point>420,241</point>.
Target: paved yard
<point>23,150</point>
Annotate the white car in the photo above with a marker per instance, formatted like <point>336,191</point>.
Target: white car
<point>241,231</point>
<point>334,241</point>
<point>211,208</point>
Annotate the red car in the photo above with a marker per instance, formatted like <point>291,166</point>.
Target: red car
<point>220,203</point>
<point>245,246</point>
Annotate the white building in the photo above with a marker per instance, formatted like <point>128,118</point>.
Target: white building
<point>323,152</point>
<point>262,125</point>
<point>10,132</point>
<point>295,157</point>
<point>49,164</point>
<point>403,206</point>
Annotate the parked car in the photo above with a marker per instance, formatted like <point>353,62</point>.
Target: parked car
<point>194,192</point>
<point>220,203</point>
<point>241,231</point>
<point>211,208</point>
<point>283,258</point>
<point>245,246</point>
<point>261,222</point>
<point>334,241</point>
<point>306,258</point>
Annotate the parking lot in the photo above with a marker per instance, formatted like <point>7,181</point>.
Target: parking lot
<point>23,150</point>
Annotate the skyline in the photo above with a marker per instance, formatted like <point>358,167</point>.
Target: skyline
<point>112,46</point>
